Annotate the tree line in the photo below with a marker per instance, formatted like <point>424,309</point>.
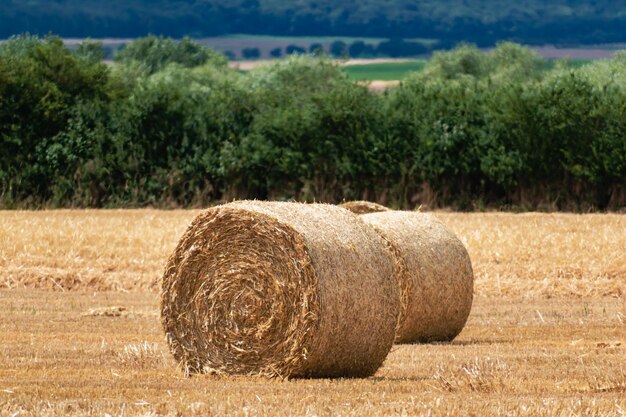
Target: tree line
<point>481,21</point>
<point>393,48</point>
<point>169,124</point>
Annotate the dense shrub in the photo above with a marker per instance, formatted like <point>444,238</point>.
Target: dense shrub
<point>294,49</point>
<point>338,49</point>
<point>170,125</point>
<point>251,53</point>
<point>316,49</point>
<point>399,47</point>
<point>310,136</point>
<point>361,49</point>
<point>156,52</point>
<point>40,84</point>
<point>498,128</point>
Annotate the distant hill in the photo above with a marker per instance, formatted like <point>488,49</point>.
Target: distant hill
<point>480,21</point>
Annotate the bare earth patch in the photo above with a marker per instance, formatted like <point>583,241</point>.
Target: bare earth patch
<point>379,86</point>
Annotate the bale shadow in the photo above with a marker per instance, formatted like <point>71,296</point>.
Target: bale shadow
<point>398,378</point>
<point>471,342</point>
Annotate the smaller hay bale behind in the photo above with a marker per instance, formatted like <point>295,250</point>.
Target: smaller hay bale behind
<point>433,271</point>
<point>363,207</point>
<point>280,289</point>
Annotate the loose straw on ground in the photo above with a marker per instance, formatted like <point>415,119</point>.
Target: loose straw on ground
<point>280,289</point>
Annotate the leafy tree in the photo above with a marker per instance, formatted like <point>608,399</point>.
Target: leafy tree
<point>316,49</point>
<point>480,21</point>
<point>251,53</point>
<point>338,49</point>
<point>156,52</point>
<point>312,133</point>
<point>294,49</point>
<point>172,127</point>
<point>578,115</point>
<point>230,55</point>
<point>356,48</point>
<point>399,47</point>
<point>91,51</point>
<point>464,60</point>
<point>40,83</point>
<point>473,128</point>
<point>515,62</point>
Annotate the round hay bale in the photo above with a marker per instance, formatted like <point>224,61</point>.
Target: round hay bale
<point>434,272</point>
<point>363,207</point>
<point>280,289</point>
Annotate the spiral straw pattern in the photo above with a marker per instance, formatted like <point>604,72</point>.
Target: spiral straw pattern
<point>279,289</point>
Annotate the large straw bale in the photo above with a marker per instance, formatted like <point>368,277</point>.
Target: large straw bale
<point>363,207</point>
<point>434,272</point>
<point>280,289</point>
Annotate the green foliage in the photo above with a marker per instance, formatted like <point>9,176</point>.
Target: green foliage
<point>294,49</point>
<point>311,134</point>
<point>40,83</point>
<point>507,61</point>
<point>316,49</point>
<point>465,60</point>
<point>581,114</point>
<point>514,62</point>
<point>90,51</point>
<point>481,21</point>
<point>251,53</point>
<point>174,123</point>
<point>338,49</point>
<point>158,52</point>
<point>471,129</point>
<point>498,126</point>
<point>450,143</point>
<point>399,47</point>
<point>81,159</point>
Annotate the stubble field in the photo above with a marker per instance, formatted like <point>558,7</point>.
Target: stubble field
<point>80,331</point>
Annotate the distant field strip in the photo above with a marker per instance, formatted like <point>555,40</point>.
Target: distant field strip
<point>545,255</point>
<point>386,71</point>
<point>400,69</point>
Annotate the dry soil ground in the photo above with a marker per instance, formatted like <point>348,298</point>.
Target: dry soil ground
<point>80,332</point>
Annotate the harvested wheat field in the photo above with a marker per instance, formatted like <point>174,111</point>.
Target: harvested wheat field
<point>80,331</point>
